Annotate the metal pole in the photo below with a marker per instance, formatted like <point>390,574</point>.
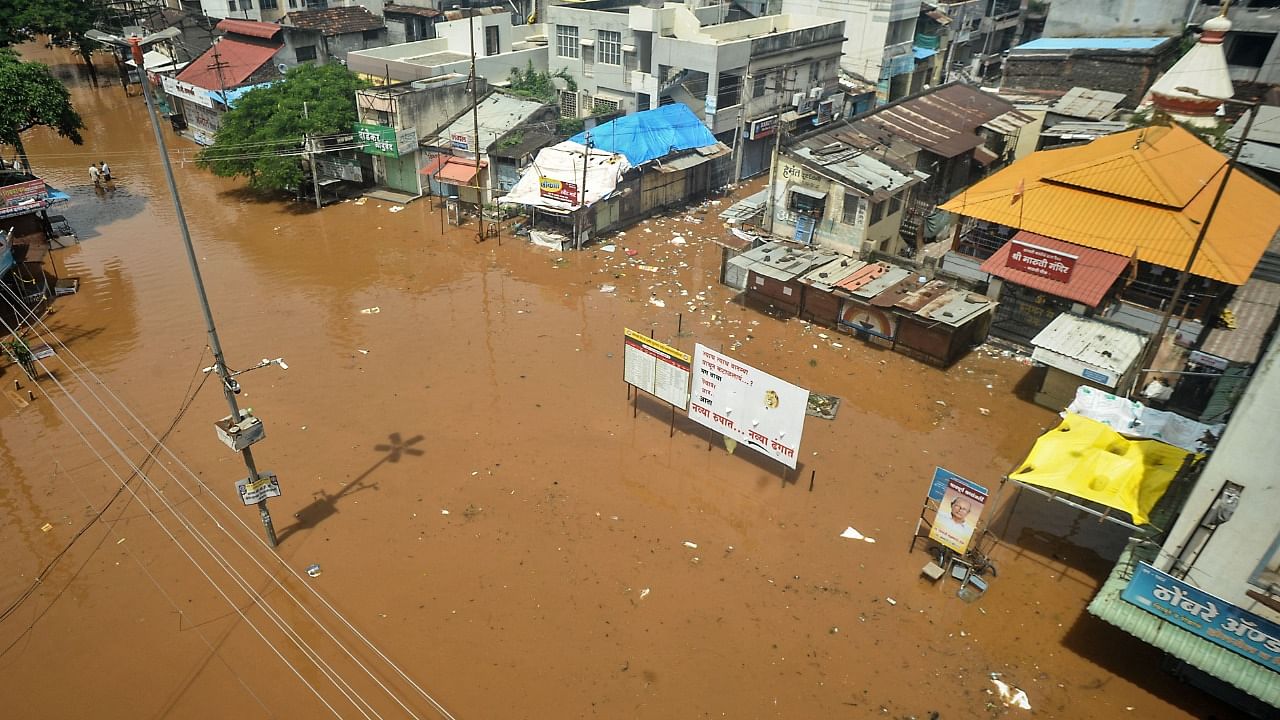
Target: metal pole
<point>582,192</point>
<point>1153,347</point>
<point>215,346</point>
<point>773,172</point>
<point>475,119</point>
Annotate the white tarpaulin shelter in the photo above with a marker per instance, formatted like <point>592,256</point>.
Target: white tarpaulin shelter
<point>1135,420</point>
<point>552,181</point>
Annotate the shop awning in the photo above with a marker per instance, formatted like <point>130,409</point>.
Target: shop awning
<point>1092,274</point>
<point>434,166</point>
<point>457,171</point>
<point>922,53</point>
<point>1086,459</point>
<point>809,192</point>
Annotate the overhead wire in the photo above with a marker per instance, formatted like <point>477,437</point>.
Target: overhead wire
<point>340,683</point>
<point>440,708</point>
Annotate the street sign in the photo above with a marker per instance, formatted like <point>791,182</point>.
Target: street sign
<point>266,486</point>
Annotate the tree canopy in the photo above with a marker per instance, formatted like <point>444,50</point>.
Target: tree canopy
<point>540,86</point>
<point>33,96</point>
<point>260,136</point>
<point>64,21</point>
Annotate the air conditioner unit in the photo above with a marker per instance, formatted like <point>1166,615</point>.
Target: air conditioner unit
<point>815,93</point>
<point>797,99</point>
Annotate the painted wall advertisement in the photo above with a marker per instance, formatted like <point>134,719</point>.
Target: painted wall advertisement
<point>560,190</point>
<point>960,504</point>
<point>1208,616</point>
<point>656,368</point>
<point>1042,261</point>
<point>748,405</point>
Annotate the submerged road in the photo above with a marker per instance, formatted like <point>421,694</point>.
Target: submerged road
<point>459,458</point>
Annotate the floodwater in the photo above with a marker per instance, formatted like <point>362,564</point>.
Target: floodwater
<point>488,510</point>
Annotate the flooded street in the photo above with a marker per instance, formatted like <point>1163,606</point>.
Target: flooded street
<point>459,456</point>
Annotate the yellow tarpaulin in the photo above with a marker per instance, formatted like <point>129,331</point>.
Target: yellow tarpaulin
<point>1085,458</point>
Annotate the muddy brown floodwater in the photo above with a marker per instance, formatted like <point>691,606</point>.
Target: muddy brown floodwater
<point>465,468</point>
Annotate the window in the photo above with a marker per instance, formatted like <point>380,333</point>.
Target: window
<point>293,4</point>
<point>604,105</point>
<point>567,41</point>
<point>269,4</point>
<point>895,204</point>
<point>901,31</point>
<point>728,90</point>
<point>1249,49</point>
<point>491,45</point>
<point>849,215</point>
<point>246,4</point>
<point>877,212</point>
<point>609,48</point>
<point>371,34</point>
<point>568,104</point>
<point>758,86</point>
<point>305,53</point>
<point>231,5</point>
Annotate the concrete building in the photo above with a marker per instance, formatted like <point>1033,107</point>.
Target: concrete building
<point>274,10</point>
<point>500,48</point>
<point>1117,18</point>
<point>879,35</point>
<point>836,190</point>
<point>742,78</point>
<point>1253,55</point>
<point>970,37</point>
<point>402,114</point>
<point>1052,66</point>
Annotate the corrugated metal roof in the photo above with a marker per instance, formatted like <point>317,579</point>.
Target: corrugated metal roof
<point>747,207</point>
<point>1254,305</point>
<point>1093,275</point>
<point>1089,196</point>
<point>495,111</point>
<point>942,121</point>
<point>825,277</point>
<point>857,161</point>
<point>1261,156</point>
<point>782,261</point>
<point>956,307</point>
<point>1086,103</point>
<point>1084,130</point>
<point>1059,44</point>
<point>1009,122</point>
<point>1217,661</point>
<point>882,282</point>
<point>921,295</point>
<point>1266,129</point>
<point>1093,342</point>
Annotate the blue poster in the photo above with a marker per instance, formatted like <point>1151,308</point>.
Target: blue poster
<point>939,486</point>
<point>1212,618</point>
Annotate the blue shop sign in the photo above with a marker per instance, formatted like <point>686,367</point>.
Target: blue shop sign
<point>941,476</point>
<point>1212,618</point>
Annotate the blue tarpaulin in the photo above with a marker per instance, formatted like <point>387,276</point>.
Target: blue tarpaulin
<point>651,134</point>
<point>235,94</point>
<point>923,53</point>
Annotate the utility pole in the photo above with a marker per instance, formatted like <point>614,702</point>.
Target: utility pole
<point>311,155</point>
<point>475,120</point>
<point>229,385</point>
<point>1153,346</point>
<point>582,191</point>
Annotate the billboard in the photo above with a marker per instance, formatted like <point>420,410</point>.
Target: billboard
<point>1210,617</point>
<point>22,197</point>
<point>748,405</point>
<point>1042,261</point>
<point>187,91</point>
<point>378,139</point>
<point>656,368</point>
<point>960,504</point>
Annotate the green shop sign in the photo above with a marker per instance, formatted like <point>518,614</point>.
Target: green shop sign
<point>385,141</point>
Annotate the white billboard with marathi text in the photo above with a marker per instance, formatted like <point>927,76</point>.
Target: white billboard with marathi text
<point>748,405</point>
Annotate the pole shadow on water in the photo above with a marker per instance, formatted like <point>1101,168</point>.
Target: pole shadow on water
<point>326,504</point>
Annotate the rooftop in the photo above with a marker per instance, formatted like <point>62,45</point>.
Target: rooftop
<point>1091,276</point>
<point>334,20</point>
<point>834,151</point>
<point>1140,194</point>
<point>239,58</point>
<point>1088,104</point>
<point>944,120</point>
<point>1093,342</point>
<point>1047,44</point>
<point>496,114</point>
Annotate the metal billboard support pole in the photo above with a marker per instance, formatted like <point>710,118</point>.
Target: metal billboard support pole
<point>229,385</point>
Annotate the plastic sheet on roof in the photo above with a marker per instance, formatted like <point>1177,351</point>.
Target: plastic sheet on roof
<point>649,135</point>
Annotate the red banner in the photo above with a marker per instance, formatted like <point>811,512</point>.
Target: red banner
<point>1041,261</point>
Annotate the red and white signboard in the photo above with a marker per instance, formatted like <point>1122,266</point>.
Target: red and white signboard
<point>748,405</point>
<point>1041,261</point>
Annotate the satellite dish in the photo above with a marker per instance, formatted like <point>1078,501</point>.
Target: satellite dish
<point>282,68</point>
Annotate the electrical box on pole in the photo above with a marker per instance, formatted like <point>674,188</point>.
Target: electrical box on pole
<point>242,434</point>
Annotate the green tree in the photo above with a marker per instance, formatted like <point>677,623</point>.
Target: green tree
<point>29,96</point>
<point>260,136</point>
<point>64,21</point>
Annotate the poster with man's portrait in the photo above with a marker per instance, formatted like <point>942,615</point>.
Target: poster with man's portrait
<point>958,513</point>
